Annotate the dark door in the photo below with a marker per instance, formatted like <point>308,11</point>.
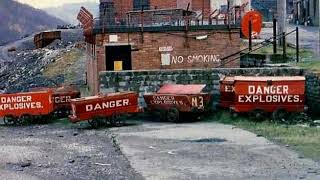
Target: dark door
<point>118,58</point>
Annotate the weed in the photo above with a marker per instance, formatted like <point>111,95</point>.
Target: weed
<point>303,139</point>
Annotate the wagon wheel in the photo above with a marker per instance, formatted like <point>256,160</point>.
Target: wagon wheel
<point>26,118</point>
<point>46,118</point>
<point>173,115</point>
<point>257,115</point>
<point>9,120</point>
<point>163,115</point>
<point>95,122</point>
<point>280,115</point>
<point>116,120</point>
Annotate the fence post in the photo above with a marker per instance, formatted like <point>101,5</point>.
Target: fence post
<point>284,46</point>
<point>274,36</point>
<point>297,44</point>
<point>250,35</point>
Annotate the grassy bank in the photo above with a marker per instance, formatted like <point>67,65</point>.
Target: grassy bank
<point>305,140</point>
<point>311,65</point>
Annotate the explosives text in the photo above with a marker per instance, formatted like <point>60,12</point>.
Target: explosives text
<point>269,94</point>
<point>18,103</point>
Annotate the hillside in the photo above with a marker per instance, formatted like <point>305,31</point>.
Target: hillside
<point>18,20</point>
<point>68,12</point>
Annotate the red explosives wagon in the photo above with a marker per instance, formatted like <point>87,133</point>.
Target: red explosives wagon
<point>104,108</point>
<point>227,92</point>
<point>20,107</point>
<point>172,100</point>
<point>277,95</point>
<point>61,97</point>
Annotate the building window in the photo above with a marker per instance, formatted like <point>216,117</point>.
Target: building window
<point>138,4</point>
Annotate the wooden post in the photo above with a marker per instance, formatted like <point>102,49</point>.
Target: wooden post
<point>274,36</point>
<point>282,16</point>
<point>284,46</point>
<point>297,43</point>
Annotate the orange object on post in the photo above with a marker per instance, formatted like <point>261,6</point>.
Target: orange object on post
<point>256,20</point>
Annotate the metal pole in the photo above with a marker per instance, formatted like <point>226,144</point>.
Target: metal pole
<point>202,12</point>
<point>228,16</point>
<point>250,35</point>
<point>274,35</point>
<point>284,46</point>
<point>297,43</point>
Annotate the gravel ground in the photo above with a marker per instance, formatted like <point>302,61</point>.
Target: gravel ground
<point>60,151</point>
<point>209,151</point>
<point>148,150</point>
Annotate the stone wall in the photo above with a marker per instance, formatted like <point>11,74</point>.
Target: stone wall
<point>313,92</point>
<point>150,81</point>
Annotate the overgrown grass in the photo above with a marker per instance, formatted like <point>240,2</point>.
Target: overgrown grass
<point>311,65</point>
<point>63,66</point>
<point>291,51</point>
<point>305,140</point>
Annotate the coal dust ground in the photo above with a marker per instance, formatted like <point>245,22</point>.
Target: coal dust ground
<point>144,149</point>
<point>61,151</point>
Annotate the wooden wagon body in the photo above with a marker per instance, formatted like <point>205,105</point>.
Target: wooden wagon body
<point>15,108</point>
<point>61,98</point>
<point>108,107</point>
<point>227,95</point>
<point>172,100</point>
<point>269,94</point>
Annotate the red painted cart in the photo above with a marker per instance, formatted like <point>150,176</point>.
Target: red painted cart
<point>104,109</point>
<point>22,107</point>
<point>172,100</point>
<point>227,92</point>
<point>61,98</point>
<point>280,96</point>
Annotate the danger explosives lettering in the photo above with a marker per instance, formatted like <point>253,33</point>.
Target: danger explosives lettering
<point>18,103</point>
<point>107,105</point>
<point>269,94</point>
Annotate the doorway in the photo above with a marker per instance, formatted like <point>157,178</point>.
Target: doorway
<point>118,58</point>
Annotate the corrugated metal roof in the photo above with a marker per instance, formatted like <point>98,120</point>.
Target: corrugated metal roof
<point>270,78</point>
<point>181,89</point>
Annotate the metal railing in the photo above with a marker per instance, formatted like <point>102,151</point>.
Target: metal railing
<point>267,42</point>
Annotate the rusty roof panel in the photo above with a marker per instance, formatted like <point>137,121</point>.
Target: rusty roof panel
<point>181,89</point>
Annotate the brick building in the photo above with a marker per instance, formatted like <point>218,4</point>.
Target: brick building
<point>172,43</point>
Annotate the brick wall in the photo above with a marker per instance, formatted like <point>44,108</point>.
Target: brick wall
<point>150,81</point>
<point>122,6</point>
<point>146,55</point>
<point>163,4</point>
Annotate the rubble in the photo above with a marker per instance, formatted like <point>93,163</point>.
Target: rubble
<point>25,71</point>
